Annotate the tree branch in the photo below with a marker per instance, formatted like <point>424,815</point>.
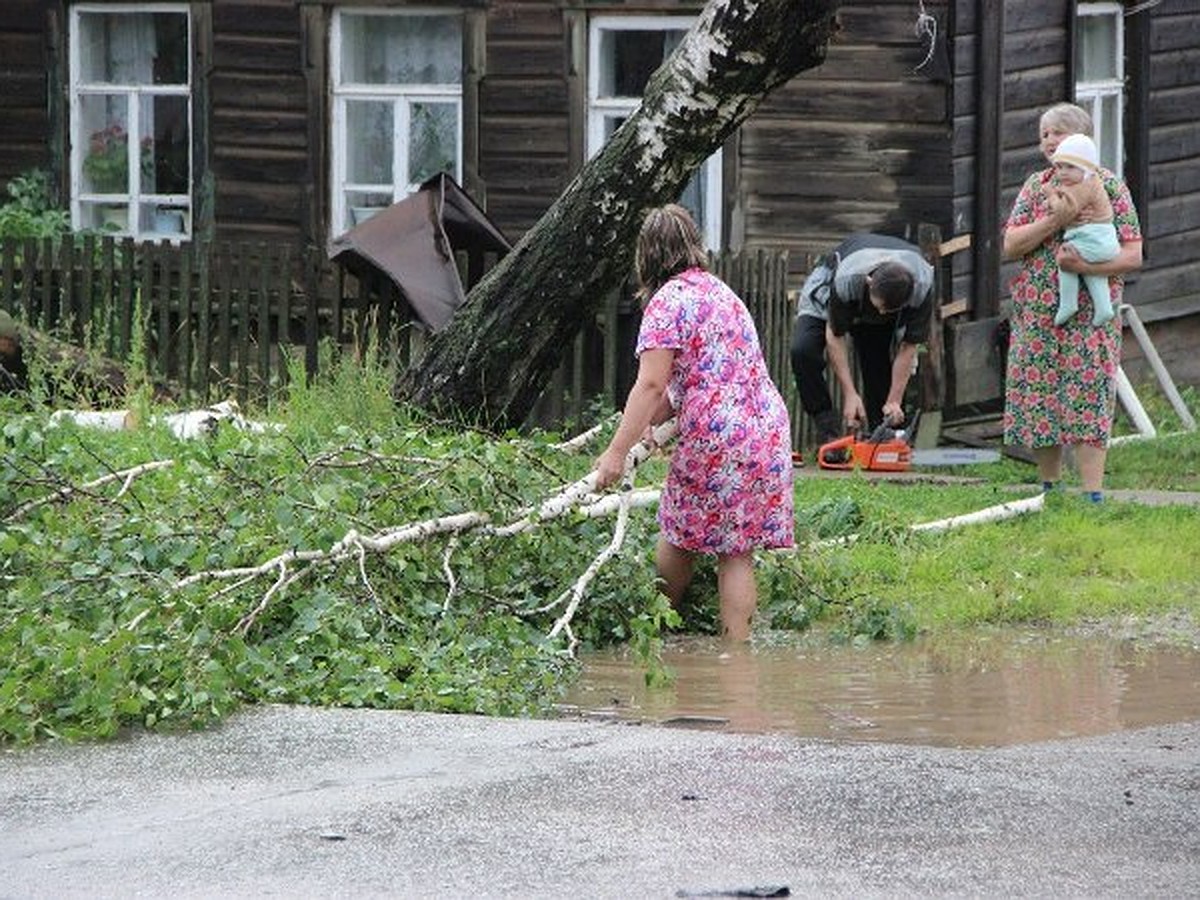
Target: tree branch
<point>125,476</point>
<point>579,495</point>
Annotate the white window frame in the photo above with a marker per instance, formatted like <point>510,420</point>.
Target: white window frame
<point>402,96</point>
<point>1091,95</point>
<point>602,108</point>
<point>135,197</point>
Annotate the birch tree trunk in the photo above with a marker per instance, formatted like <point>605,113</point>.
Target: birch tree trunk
<point>500,349</point>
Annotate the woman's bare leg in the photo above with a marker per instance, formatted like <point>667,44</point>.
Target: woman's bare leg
<point>675,568</point>
<point>1049,462</point>
<point>738,593</point>
<point>1091,466</point>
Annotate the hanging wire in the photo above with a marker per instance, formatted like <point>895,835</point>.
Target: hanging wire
<point>927,27</point>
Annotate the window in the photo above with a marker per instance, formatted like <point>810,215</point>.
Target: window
<point>622,55</point>
<point>130,115</point>
<point>1100,76</point>
<point>397,107</point>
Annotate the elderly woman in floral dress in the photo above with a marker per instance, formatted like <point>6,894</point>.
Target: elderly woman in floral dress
<point>1060,383</point>
<point>729,486</point>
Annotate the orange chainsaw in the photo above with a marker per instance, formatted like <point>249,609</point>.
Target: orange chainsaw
<point>886,450</point>
<point>890,450</point>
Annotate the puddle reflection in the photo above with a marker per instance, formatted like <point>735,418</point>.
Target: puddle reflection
<point>972,690</point>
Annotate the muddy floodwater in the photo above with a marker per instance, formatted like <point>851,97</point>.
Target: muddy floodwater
<point>976,690</point>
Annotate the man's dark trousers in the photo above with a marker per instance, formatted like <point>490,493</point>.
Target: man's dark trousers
<point>873,351</point>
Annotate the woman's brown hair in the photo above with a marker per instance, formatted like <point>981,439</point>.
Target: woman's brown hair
<point>669,243</point>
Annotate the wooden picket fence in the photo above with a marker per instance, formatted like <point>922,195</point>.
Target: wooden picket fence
<point>220,320</point>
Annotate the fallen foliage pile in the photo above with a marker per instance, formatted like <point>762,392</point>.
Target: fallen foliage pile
<point>149,579</point>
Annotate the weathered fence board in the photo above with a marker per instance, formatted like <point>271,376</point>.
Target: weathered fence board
<point>218,320</point>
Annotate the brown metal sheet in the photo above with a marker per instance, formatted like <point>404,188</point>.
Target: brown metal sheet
<point>413,243</point>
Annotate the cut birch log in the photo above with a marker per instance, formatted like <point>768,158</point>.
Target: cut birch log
<point>102,419</point>
<point>185,425</point>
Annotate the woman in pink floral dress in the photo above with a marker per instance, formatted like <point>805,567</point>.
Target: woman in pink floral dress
<point>1060,383</point>
<point>729,487</point>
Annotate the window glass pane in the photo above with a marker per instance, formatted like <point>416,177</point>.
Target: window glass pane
<point>369,129</point>
<point>1109,132</point>
<point>693,196</point>
<point>628,58</point>
<point>110,218</point>
<point>165,144</point>
<point>611,124</point>
<point>171,51</point>
<point>103,119</point>
<point>1097,48</point>
<point>625,58</point>
<point>364,204</point>
<point>401,49</point>
<point>163,219</point>
<point>432,140</point>
<point>133,48</point>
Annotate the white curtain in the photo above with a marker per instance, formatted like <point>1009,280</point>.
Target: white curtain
<point>412,49</point>
<point>131,48</point>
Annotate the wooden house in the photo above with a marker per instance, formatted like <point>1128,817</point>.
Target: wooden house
<point>289,120</point>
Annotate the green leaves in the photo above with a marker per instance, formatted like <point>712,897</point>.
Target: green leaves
<point>95,637</point>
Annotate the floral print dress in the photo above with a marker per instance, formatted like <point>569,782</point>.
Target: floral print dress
<point>729,487</point>
<point>1060,380</point>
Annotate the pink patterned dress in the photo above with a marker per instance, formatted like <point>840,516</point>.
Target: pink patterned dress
<point>1060,381</point>
<point>729,488</point>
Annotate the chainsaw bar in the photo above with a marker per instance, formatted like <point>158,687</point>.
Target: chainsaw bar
<point>954,456</point>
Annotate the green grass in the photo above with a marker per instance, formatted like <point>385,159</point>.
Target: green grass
<point>1070,562</point>
<point>1073,561</point>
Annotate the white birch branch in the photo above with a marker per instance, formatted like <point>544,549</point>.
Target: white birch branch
<point>417,531</point>
<point>105,420</point>
<point>249,573</point>
<point>579,495</point>
<point>125,476</point>
<point>572,495</point>
<point>608,504</point>
<point>248,620</point>
<point>351,544</point>
<point>451,581</point>
<point>583,439</point>
<point>988,514</point>
<point>577,591</point>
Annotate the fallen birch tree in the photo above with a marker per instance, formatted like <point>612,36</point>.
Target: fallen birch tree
<point>579,497</point>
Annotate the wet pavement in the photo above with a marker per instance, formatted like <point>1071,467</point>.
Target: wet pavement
<point>305,802</point>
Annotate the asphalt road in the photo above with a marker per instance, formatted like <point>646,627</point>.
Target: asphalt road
<point>338,803</point>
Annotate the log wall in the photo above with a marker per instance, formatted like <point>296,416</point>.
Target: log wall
<point>860,143</point>
<point>25,65</point>
<point>1169,286</point>
<point>259,141</point>
<point>527,152</point>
